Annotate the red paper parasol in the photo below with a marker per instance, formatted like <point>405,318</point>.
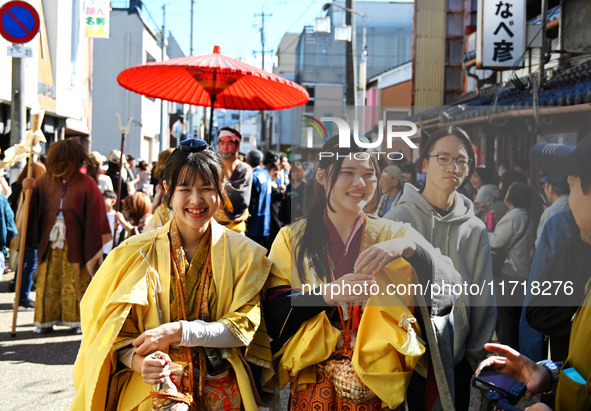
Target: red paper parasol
<point>213,80</point>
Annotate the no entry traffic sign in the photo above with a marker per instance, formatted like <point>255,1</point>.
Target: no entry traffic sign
<point>19,22</point>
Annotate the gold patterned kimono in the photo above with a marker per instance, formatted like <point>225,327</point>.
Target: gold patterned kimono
<point>126,283</point>
<point>379,358</point>
<point>161,216</point>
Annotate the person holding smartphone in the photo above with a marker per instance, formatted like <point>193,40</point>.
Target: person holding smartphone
<point>570,379</point>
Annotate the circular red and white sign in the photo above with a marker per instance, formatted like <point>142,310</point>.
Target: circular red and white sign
<point>19,22</point>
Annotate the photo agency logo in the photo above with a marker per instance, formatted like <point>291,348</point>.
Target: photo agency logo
<point>395,129</point>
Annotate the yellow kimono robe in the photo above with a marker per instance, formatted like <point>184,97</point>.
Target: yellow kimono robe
<point>125,279</point>
<point>160,217</point>
<point>378,357</point>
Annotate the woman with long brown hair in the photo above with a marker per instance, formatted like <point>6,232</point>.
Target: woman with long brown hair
<point>68,224</point>
<point>326,341</point>
<point>137,213</point>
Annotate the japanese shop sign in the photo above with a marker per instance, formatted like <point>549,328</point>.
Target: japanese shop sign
<point>96,18</point>
<point>501,33</point>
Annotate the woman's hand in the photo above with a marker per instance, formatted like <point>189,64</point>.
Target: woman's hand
<point>373,259</point>
<point>120,218</point>
<point>153,368</point>
<point>349,288</point>
<point>512,363</point>
<point>159,338</point>
<point>28,183</point>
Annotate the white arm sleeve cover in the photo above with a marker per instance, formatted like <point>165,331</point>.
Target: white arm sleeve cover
<point>125,355</point>
<point>207,334</point>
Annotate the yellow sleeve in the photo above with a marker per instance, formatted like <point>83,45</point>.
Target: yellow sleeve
<point>280,254</point>
<point>244,322</point>
<point>129,331</point>
<point>247,324</point>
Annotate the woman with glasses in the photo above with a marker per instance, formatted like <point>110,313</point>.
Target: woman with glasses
<point>173,315</point>
<point>446,219</point>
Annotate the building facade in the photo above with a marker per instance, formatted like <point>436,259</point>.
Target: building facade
<point>134,40</point>
<point>56,79</point>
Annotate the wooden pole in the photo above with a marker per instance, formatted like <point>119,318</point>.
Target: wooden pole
<point>118,203</point>
<point>124,131</point>
<point>212,98</point>
<point>23,238</point>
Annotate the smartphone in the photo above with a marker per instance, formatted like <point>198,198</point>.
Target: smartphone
<point>508,387</point>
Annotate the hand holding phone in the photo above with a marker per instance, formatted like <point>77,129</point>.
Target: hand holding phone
<point>508,387</point>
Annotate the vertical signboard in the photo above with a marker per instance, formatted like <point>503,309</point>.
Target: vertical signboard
<point>45,84</point>
<point>96,18</point>
<point>501,33</point>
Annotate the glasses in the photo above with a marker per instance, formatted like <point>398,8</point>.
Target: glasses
<point>445,160</point>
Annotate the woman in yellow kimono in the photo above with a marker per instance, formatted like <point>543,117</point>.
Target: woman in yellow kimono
<point>344,349</point>
<point>177,309</point>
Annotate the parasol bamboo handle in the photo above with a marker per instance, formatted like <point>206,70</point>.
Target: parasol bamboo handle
<point>23,238</point>
<point>118,203</point>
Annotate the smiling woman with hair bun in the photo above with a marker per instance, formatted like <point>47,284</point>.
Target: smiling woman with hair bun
<point>173,317</point>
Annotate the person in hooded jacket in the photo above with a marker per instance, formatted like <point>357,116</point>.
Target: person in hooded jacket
<point>487,192</point>
<point>446,218</point>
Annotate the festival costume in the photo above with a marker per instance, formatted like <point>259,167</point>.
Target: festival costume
<point>238,188</point>
<point>128,282</point>
<point>571,395</point>
<point>69,224</point>
<point>380,358</point>
<point>161,216</point>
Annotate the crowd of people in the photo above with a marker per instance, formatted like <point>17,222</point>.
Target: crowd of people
<point>191,289</point>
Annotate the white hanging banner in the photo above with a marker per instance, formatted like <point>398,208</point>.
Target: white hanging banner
<point>500,35</point>
<point>95,18</point>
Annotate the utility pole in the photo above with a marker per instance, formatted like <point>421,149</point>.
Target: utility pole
<point>263,117</point>
<point>262,30</point>
<point>350,56</point>
<point>541,73</point>
<point>191,53</point>
<point>191,39</point>
<point>18,112</point>
<point>163,45</point>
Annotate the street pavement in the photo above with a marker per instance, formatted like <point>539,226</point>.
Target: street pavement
<point>35,369</point>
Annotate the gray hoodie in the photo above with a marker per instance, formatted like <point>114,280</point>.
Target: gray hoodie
<point>461,236</point>
<point>487,194</point>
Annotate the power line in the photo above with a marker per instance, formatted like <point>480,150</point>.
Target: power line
<point>296,22</point>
